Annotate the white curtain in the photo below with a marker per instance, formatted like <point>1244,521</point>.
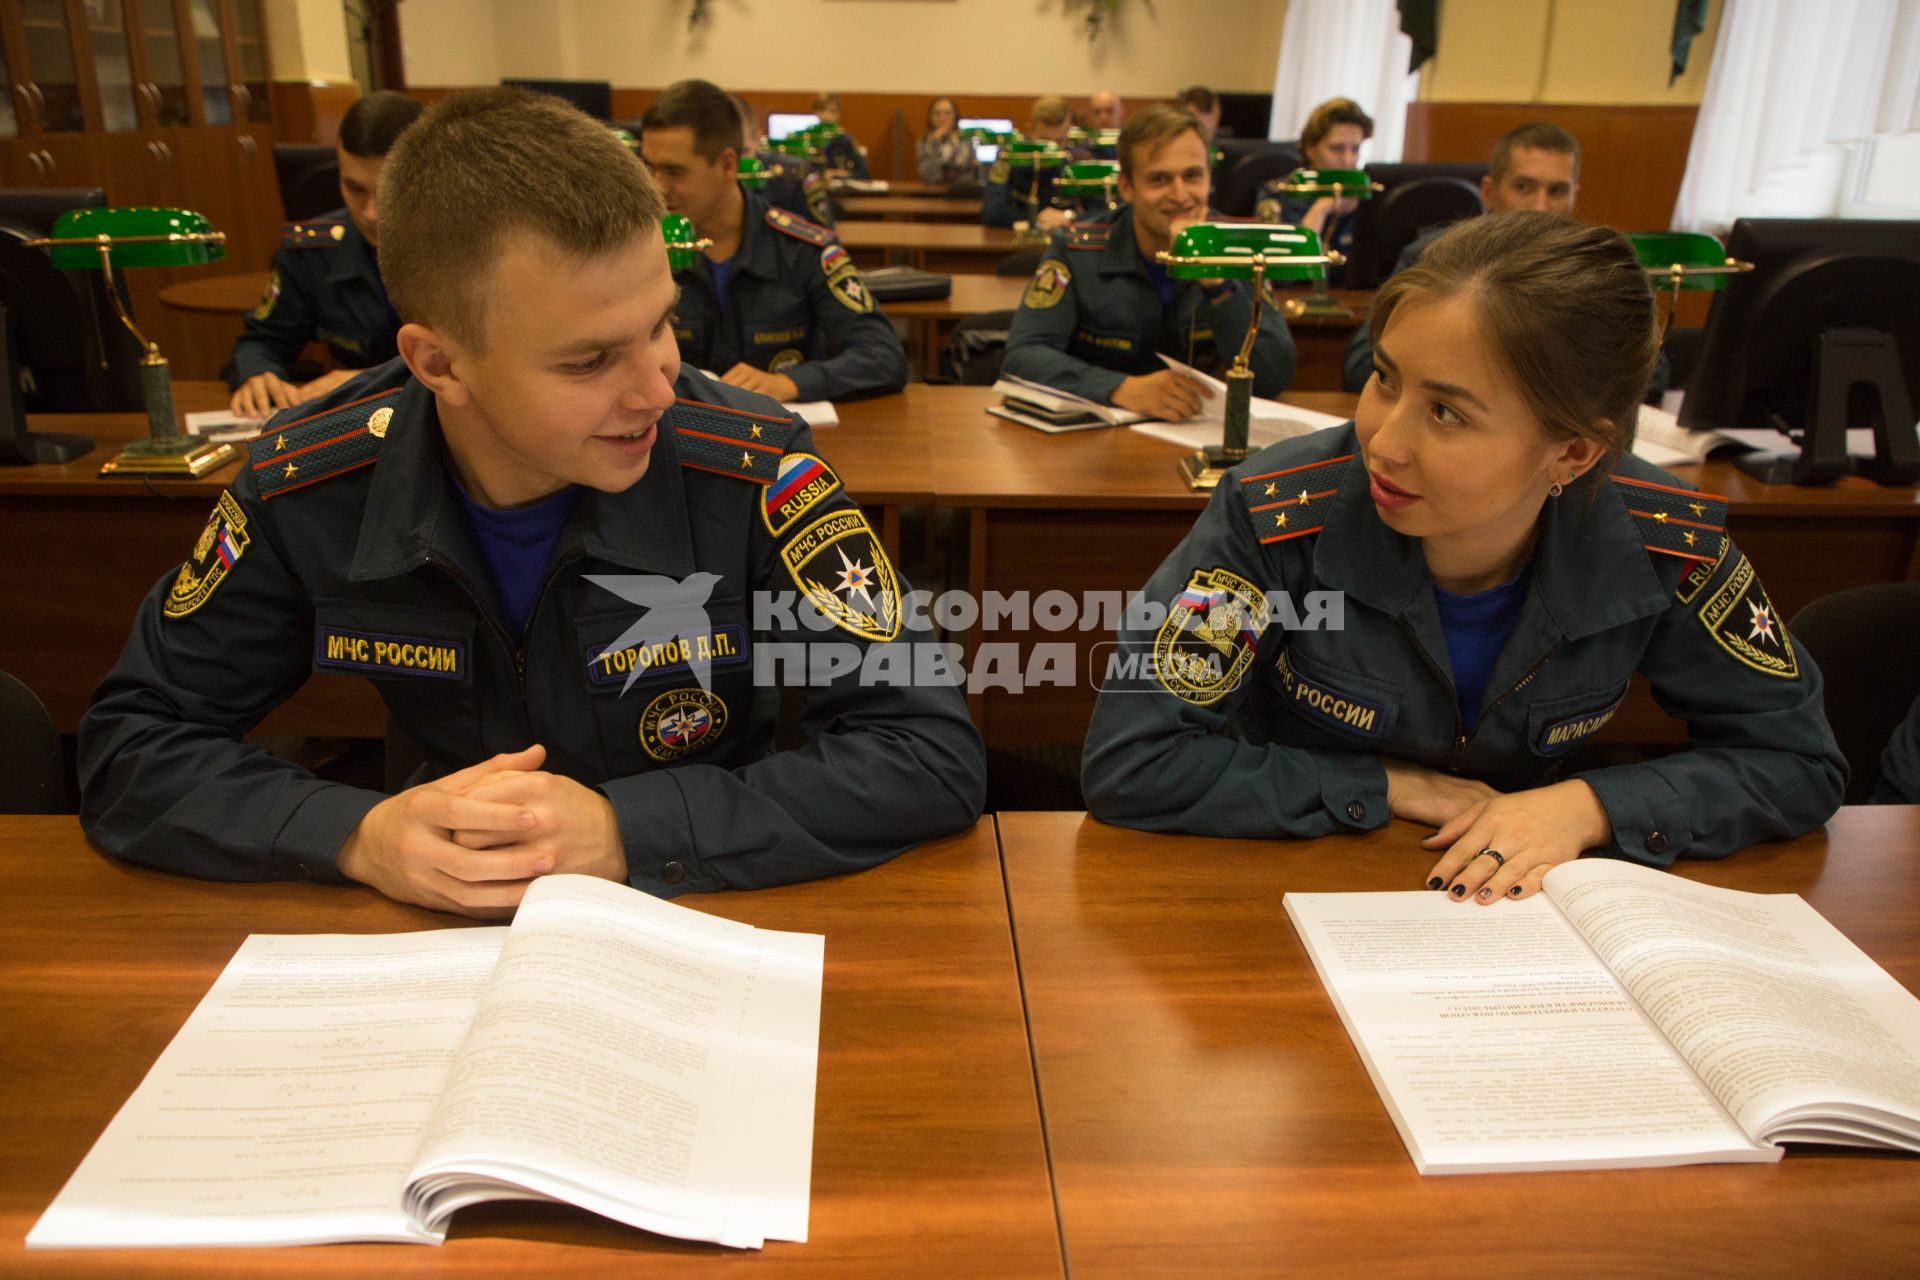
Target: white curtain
<point>1344,49</point>
<point>1792,88</point>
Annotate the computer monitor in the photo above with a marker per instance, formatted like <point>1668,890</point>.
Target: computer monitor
<point>309,179</point>
<point>74,354</point>
<point>1417,197</point>
<point>595,97</point>
<point>1247,115</point>
<point>987,151</point>
<point>782,123</point>
<point>1822,335</point>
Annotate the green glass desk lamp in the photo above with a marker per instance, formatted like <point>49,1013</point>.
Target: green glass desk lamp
<point>1090,180</point>
<point>1239,251</point>
<point>1341,184</point>
<point>684,246</point>
<point>143,237</point>
<point>1096,138</point>
<point>1683,260</point>
<point>1036,156</point>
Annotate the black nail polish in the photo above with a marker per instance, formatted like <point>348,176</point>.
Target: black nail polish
<point>1515,891</point>
<point>1435,883</point>
<point>1459,891</point>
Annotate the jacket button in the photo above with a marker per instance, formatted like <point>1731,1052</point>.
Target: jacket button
<point>1357,810</point>
<point>673,873</point>
<point>1656,842</point>
<point>306,872</point>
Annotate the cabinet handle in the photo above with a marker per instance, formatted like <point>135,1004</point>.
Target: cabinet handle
<point>153,152</point>
<point>26,104</point>
<point>244,96</point>
<point>166,153</point>
<point>53,166</point>
<point>248,147</point>
<point>39,102</point>
<point>39,170</point>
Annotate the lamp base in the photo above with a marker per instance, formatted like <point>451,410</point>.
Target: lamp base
<point>1203,468</point>
<point>176,456</point>
<point>1316,306</point>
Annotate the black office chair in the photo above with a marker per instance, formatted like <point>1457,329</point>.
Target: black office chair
<point>1241,178</point>
<point>972,355</point>
<point>32,769</point>
<point>1862,640</point>
<point>309,179</point>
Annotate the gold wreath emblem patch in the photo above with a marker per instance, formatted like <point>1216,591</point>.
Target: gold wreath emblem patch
<point>215,553</point>
<point>1048,286</point>
<point>1742,621</point>
<point>839,566</point>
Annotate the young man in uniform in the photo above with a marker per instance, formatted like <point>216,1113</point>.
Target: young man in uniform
<point>1534,166</point>
<point>1011,197</point>
<point>1100,310</point>
<point>559,556</point>
<point>325,284</point>
<point>776,304</point>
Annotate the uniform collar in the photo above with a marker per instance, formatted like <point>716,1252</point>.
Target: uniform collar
<point>411,514</point>
<point>758,253</point>
<point>355,258</point>
<point>1591,570</point>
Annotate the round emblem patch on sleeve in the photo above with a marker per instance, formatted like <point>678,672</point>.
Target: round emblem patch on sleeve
<point>1205,646</point>
<point>218,550</point>
<point>680,722</point>
<point>839,566</point>
<point>1742,621</point>
<point>264,307</point>
<point>1048,286</point>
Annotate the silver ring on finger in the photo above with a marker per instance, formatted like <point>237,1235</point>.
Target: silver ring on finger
<point>1498,861</point>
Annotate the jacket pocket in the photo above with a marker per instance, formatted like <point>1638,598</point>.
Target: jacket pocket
<point>666,683</point>
<point>1557,725</point>
<point>1349,709</point>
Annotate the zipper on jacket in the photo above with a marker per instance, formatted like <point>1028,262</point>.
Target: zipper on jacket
<point>1525,680</point>
<point>461,580</point>
<point>1446,682</point>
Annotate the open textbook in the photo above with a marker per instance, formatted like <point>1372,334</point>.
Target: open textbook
<point>647,1062</point>
<point>1624,1018</point>
<point>1049,409</point>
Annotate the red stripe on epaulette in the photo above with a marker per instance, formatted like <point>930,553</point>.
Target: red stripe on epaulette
<point>756,477</point>
<point>721,408</point>
<point>728,440</point>
<point>1684,555</point>
<point>325,475</point>
<point>800,229</point>
<point>1667,488</point>
<point>327,413</point>
<point>1657,517</point>
<point>1295,500</point>
<point>1292,533</point>
<point>276,459</point>
<point>1305,466</point>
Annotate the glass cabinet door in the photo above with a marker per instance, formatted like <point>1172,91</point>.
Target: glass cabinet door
<point>250,43</point>
<point>210,55</point>
<point>50,76</point>
<point>113,67</point>
<point>166,68</point>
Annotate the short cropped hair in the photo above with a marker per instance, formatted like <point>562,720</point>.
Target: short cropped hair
<point>1199,98</point>
<point>699,105</point>
<point>821,101</point>
<point>486,164</point>
<point>1537,136</point>
<point>1564,305</point>
<point>1152,128</point>
<point>1049,111</point>
<point>1332,112</point>
<point>373,123</point>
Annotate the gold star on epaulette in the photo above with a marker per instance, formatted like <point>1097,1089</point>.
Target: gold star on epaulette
<point>1272,488</point>
<point>1660,517</point>
<point>1688,535</point>
<point>1303,497</point>
<point>1698,508</point>
<point>1280,521</point>
<point>756,431</point>
<point>279,443</point>
<point>291,470</point>
<point>746,460</point>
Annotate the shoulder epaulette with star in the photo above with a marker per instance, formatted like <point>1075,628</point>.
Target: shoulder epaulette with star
<point>328,444</point>
<point>1093,236</point>
<point>1675,522</point>
<point>1292,502</point>
<point>322,233</point>
<point>800,229</point>
<point>731,442</point>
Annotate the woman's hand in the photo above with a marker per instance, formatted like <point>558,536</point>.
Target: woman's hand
<point>1428,796</point>
<point>1531,831</point>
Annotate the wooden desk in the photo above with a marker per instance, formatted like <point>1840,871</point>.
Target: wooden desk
<point>904,208</point>
<point>931,246</point>
<point>234,294</point>
<point>931,321</point>
<point>93,548</point>
<point>927,1155</point>
<point>1208,1115</point>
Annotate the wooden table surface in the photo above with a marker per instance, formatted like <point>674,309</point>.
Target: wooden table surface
<point>1208,1115</point>
<point>927,1157</point>
<point>972,294</point>
<point>907,208</point>
<point>228,294</point>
